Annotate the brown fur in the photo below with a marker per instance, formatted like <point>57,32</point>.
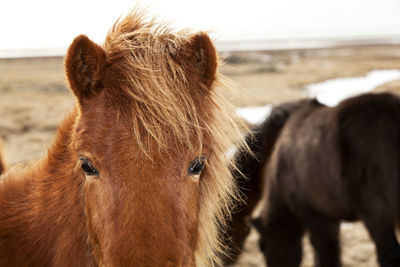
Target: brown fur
<point>148,104</point>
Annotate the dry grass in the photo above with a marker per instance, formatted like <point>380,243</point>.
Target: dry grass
<point>273,77</point>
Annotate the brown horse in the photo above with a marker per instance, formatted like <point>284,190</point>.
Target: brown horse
<point>250,161</point>
<point>329,165</point>
<point>138,174</point>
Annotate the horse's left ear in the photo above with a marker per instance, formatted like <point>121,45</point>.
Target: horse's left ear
<point>205,57</point>
<point>84,65</point>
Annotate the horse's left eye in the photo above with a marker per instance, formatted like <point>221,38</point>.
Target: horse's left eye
<point>88,168</point>
<point>196,166</point>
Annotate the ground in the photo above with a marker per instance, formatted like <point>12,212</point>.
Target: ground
<point>34,99</point>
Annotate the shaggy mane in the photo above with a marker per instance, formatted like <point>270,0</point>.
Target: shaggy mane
<point>150,84</point>
<point>141,54</point>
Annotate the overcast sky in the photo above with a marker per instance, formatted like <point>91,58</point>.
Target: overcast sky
<point>53,24</point>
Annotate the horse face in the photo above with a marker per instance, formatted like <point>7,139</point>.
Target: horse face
<point>138,210</point>
<point>141,204</point>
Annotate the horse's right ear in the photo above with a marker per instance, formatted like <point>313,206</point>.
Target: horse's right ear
<point>84,65</point>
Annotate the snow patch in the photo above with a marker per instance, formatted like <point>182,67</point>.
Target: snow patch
<point>331,92</point>
<point>254,115</point>
<point>231,152</point>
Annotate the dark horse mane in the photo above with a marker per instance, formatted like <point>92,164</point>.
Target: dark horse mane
<point>249,172</point>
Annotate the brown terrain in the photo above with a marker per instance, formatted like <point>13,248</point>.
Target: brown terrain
<point>34,99</point>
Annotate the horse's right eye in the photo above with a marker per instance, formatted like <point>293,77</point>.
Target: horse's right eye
<point>196,166</point>
<point>88,168</point>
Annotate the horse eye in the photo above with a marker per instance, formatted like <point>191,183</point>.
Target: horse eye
<point>196,166</point>
<point>88,168</point>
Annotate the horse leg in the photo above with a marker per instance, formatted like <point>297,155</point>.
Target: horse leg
<point>280,235</point>
<point>324,237</point>
<point>377,200</point>
<point>380,225</point>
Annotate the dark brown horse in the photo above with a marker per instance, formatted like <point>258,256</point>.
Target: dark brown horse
<point>138,174</point>
<point>249,174</point>
<point>329,165</point>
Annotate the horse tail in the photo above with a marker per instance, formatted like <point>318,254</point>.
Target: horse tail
<point>248,175</point>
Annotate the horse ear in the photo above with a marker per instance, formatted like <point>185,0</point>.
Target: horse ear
<point>205,57</point>
<point>84,65</point>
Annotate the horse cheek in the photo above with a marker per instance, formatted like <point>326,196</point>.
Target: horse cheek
<point>95,222</point>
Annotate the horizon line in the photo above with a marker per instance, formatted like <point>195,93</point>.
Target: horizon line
<point>235,45</point>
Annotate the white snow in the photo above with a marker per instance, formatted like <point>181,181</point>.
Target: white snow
<point>254,115</point>
<point>331,92</point>
<point>231,152</point>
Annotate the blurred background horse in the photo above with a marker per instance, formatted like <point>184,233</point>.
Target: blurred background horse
<point>332,164</point>
<point>327,164</point>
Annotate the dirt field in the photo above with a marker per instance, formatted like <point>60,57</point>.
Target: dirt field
<point>34,99</point>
